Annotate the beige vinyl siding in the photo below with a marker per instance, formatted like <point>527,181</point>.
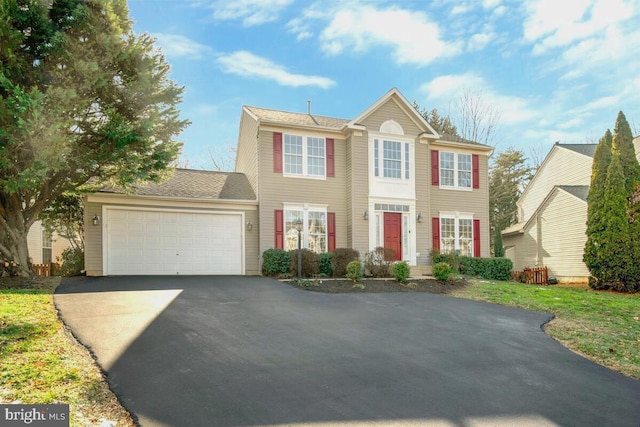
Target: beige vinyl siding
<point>276,189</point>
<point>359,193</point>
<point>523,248</point>
<point>349,185</point>
<point>564,216</point>
<point>93,235</point>
<point>390,110</point>
<point>92,239</point>
<point>34,243</point>
<point>562,166</point>
<point>423,186</point>
<point>247,153</point>
<point>474,201</point>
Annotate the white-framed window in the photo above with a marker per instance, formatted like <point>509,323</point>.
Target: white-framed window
<point>456,234</point>
<point>46,247</point>
<point>455,170</point>
<point>304,155</point>
<point>314,229</point>
<point>391,159</point>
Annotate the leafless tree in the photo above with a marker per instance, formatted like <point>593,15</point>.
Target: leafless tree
<point>477,119</point>
<point>537,155</point>
<point>222,158</point>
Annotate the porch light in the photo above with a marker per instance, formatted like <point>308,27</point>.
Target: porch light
<point>365,215</point>
<point>249,226</point>
<point>96,219</point>
<point>419,217</point>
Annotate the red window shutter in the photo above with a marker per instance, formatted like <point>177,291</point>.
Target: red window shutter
<point>435,225</point>
<point>331,162</point>
<point>475,163</point>
<point>435,168</point>
<point>279,227</point>
<point>476,238</point>
<point>277,152</point>
<point>331,231</point>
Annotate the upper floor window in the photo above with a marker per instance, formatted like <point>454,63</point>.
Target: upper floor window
<point>455,169</point>
<point>394,165</point>
<point>304,156</point>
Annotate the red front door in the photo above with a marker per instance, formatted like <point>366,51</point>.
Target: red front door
<point>393,233</point>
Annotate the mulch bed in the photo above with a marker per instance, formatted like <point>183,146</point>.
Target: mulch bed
<point>341,286</point>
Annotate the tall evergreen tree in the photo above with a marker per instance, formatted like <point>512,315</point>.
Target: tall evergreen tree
<point>623,143</point>
<point>615,255</point>
<point>82,99</point>
<point>595,205</point>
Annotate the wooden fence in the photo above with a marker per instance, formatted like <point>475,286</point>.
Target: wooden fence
<point>49,269</point>
<point>534,276</point>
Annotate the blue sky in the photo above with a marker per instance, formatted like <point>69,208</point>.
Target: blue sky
<point>555,70</point>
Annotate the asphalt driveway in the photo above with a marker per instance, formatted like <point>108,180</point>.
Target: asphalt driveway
<point>248,351</point>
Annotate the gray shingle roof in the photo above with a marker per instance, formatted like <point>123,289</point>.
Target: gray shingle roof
<point>456,138</point>
<point>580,191</point>
<point>586,149</point>
<point>195,184</point>
<point>284,117</point>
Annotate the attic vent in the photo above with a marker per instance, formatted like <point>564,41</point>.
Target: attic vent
<point>391,127</point>
<point>308,106</point>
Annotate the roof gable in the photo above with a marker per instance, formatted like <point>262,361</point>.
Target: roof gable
<point>558,150</point>
<point>394,95</point>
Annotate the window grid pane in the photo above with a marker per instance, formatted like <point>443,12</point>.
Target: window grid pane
<point>464,170</point>
<point>293,154</point>
<point>465,229</point>
<point>317,230</point>
<point>375,158</point>
<point>447,235</point>
<point>406,161</point>
<point>392,155</point>
<point>291,232</point>
<point>447,169</point>
<point>315,156</point>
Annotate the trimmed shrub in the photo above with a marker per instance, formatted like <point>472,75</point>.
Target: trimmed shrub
<point>401,271</point>
<point>310,263</point>
<point>325,264</point>
<point>275,262</point>
<point>72,262</point>
<point>340,258</point>
<point>378,261</point>
<point>442,270</point>
<point>451,259</point>
<point>354,271</point>
<point>497,268</point>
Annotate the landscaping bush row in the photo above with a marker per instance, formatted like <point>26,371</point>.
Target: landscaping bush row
<point>487,268</point>
<point>280,263</point>
<point>377,263</point>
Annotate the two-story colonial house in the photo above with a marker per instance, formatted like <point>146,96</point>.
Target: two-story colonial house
<point>385,178</point>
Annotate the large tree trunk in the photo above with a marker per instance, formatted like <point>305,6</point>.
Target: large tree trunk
<point>13,241</point>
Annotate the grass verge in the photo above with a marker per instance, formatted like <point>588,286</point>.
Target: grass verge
<point>601,326</point>
<point>40,362</point>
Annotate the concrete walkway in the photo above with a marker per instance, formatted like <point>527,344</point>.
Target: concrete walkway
<point>249,351</point>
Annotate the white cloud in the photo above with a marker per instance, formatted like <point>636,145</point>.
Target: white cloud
<point>246,64</point>
<point>480,41</point>
<point>550,26</point>
<point>490,4</point>
<point>449,88</point>
<point>413,36</point>
<point>460,9</point>
<point>178,46</point>
<point>251,12</point>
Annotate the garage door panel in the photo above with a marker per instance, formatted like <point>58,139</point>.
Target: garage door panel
<point>157,242</point>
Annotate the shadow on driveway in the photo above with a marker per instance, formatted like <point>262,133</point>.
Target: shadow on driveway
<point>247,351</point>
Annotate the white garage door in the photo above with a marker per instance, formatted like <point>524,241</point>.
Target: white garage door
<point>169,243</point>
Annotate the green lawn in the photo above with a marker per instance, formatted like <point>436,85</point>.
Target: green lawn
<point>41,363</point>
<point>602,326</point>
